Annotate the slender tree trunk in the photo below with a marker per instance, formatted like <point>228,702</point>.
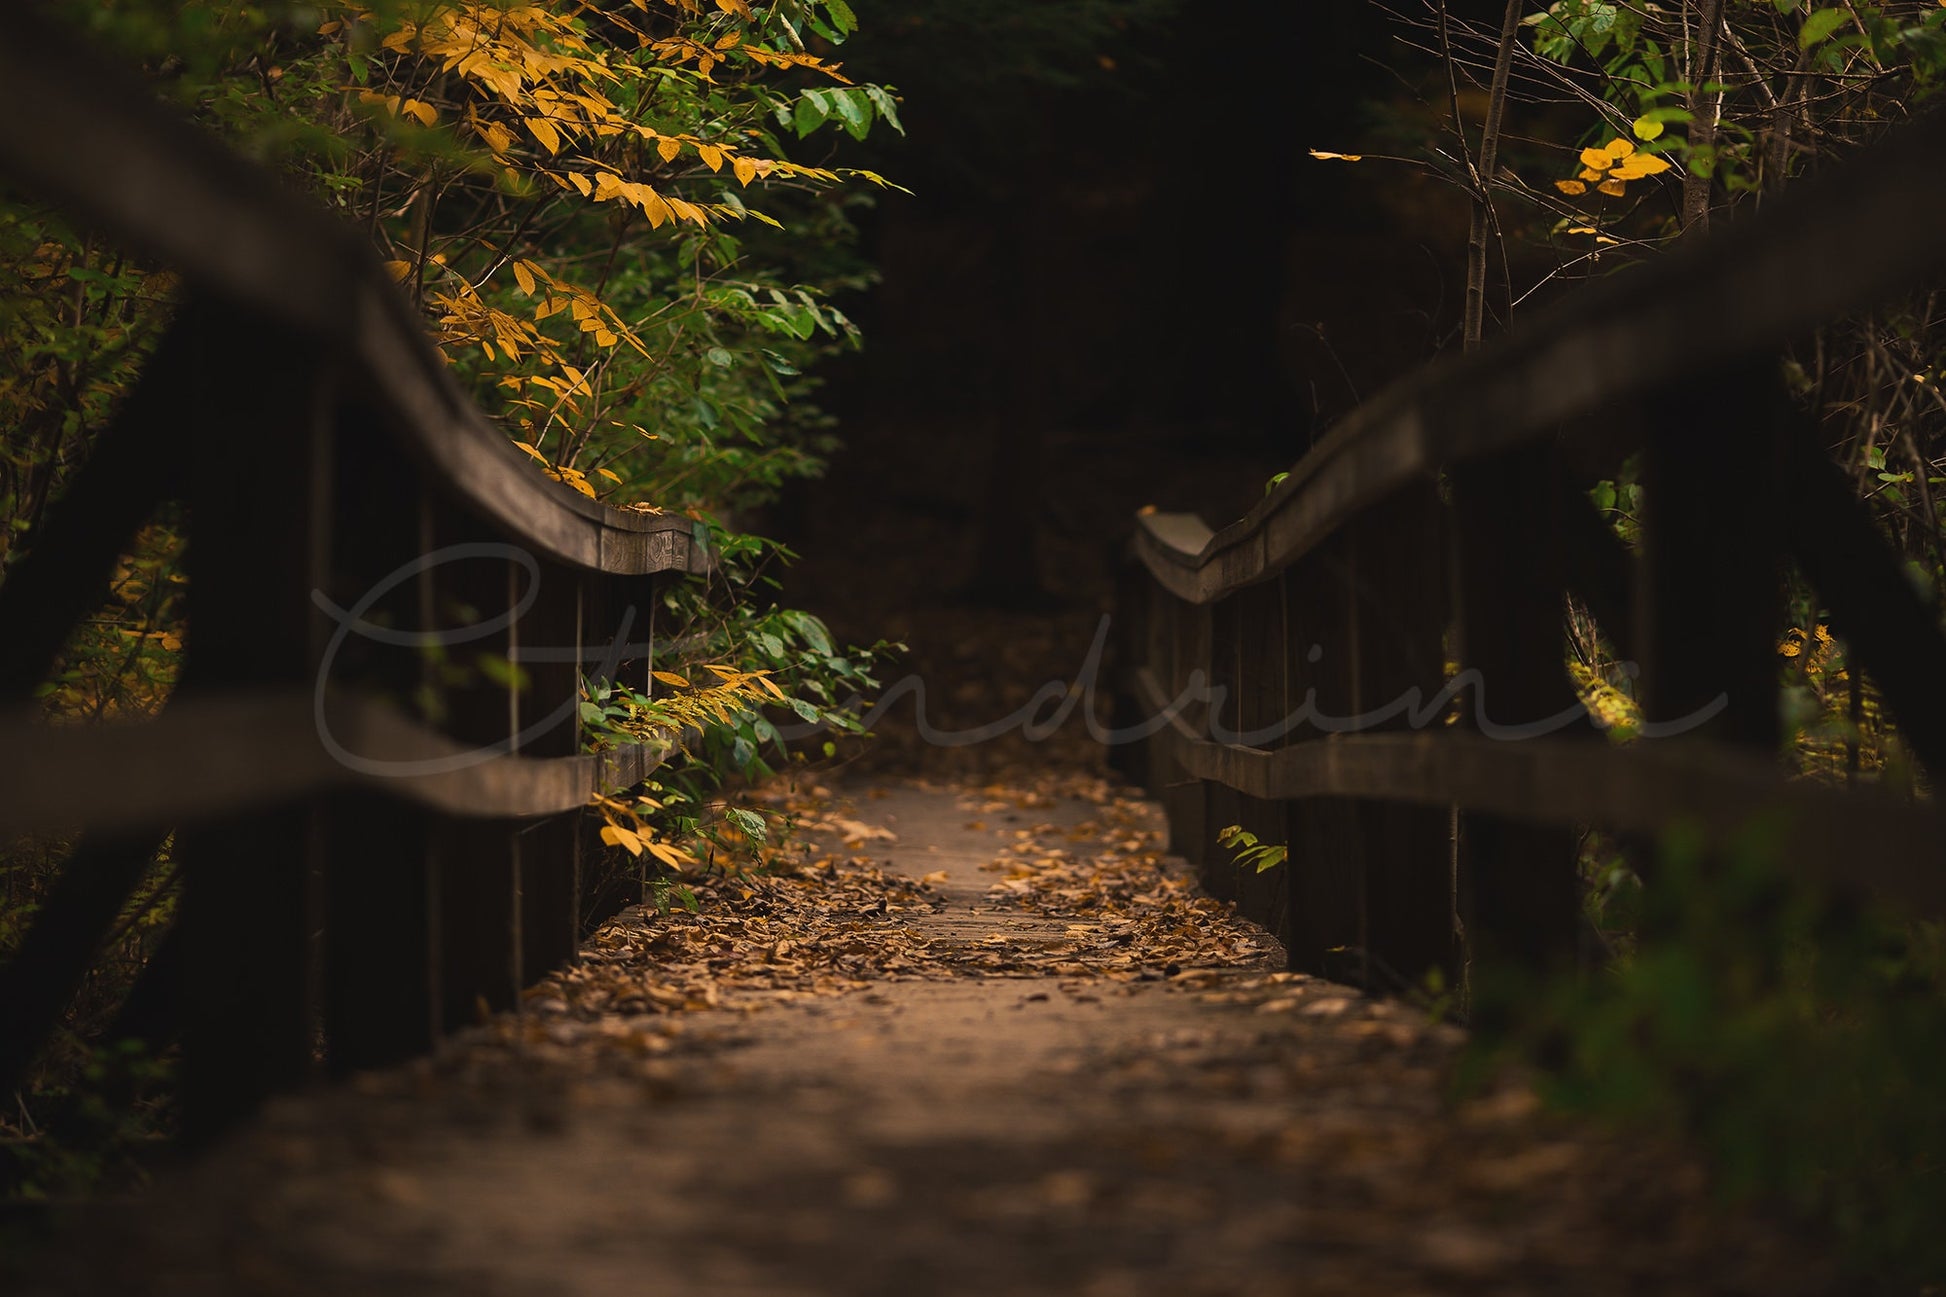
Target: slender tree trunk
<point>1703,109</point>
<point>1481,227</point>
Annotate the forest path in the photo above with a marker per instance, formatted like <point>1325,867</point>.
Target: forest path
<point>982,1039</point>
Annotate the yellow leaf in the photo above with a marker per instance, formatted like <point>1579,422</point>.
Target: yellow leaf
<point>737,7</point>
<point>1337,157</point>
<point>1592,176</point>
<point>1573,188</point>
<point>581,182</point>
<point>729,41</point>
<point>671,678</point>
<point>1583,229</point>
<point>530,450</point>
<point>423,113</point>
<point>745,169</point>
<point>1619,148</point>
<point>610,474</point>
<point>1596,160</point>
<point>616,836</point>
<point>497,137</point>
<point>525,278</point>
<point>671,856</point>
<point>1613,188</point>
<point>668,148</point>
<point>543,130</point>
<point>603,338</point>
<point>711,155</point>
<point>607,186</point>
<point>399,270</point>
<point>1642,164</point>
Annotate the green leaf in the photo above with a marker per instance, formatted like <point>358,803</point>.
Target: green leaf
<point>1819,26</point>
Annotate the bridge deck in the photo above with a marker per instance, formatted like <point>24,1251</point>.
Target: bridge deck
<point>1049,1065</point>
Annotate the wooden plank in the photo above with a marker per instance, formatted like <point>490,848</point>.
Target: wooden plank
<point>1188,629</point>
<point>1326,888</point>
<point>475,862</point>
<point>378,974</point>
<point>1860,840</point>
<point>1262,686</point>
<point>260,413</point>
<point>1519,895</point>
<point>1135,598</point>
<point>1399,599</point>
<point>1709,613</point>
<point>207,756</point>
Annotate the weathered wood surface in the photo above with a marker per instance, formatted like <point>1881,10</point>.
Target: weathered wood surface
<point>333,469</point>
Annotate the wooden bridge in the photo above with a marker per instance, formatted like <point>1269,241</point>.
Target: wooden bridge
<point>358,883</point>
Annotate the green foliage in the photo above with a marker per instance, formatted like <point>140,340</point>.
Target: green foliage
<point>1249,852</point>
<point>1794,1037</point>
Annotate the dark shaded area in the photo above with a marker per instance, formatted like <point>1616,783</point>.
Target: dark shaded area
<point>1120,281</point>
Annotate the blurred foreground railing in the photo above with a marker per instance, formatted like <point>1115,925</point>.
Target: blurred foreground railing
<point>356,882</point>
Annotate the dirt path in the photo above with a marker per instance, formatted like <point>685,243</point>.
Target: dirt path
<point>983,1041</point>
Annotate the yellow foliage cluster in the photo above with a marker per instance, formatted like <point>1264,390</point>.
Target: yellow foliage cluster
<point>626,825</point>
<point>555,115</point>
<point>1824,746</point>
<point>536,76</point>
<point>1610,168</point>
<point>1612,709</point>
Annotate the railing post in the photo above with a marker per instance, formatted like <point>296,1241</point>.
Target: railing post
<point>1519,892</point>
<point>474,860</point>
<point>1187,631</point>
<point>1261,706</point>
<point>1710,598</point>
<point>259,511</point>
<point>1221,803</point>
<point>1399,615</point>
<point>1327,856</point>
<point>549,924</point>
<point>380,978</point>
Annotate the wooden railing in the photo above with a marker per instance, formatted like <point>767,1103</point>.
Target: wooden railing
<point>357,881</point>
<point>1447,519</point>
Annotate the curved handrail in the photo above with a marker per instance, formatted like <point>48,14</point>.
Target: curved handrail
<point>1684,315</point>
<point>207,756</point>
<point>108,152</point>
